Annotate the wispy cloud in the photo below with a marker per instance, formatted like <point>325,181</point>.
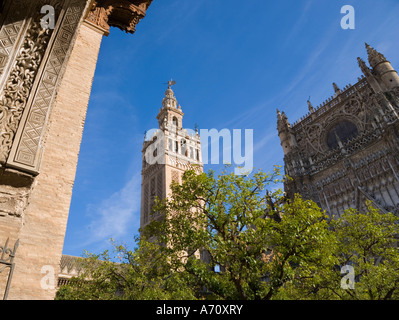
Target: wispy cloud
<point>248,117</point>
<point>307,67</point>
<point>298,25</point>
<point>183,12</point>
<point>269,134</point>
<point>117,215</point>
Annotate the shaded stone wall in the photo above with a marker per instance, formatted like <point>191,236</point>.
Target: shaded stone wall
<point>46,76</point>
<point>43,100</point>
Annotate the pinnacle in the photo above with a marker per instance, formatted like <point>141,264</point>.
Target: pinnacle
<point>370,49</point>
<point>374,56</point>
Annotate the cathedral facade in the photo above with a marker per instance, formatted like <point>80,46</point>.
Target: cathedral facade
<point>168,152</point>
<point>346,151</point>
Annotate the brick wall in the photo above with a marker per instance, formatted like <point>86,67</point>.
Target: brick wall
<point>45,218</point>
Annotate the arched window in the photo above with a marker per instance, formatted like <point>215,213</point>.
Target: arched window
<point>343,131</point>
<point>191,153</point>
<point>175,121</point>
<point>183,147</point>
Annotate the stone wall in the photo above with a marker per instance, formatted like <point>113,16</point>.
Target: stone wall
<point>42,237</point>
<point>46,75</point>
<point>37,179</point>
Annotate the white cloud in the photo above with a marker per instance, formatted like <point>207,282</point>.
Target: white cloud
<point>303,17</point>
<point>117,215</point>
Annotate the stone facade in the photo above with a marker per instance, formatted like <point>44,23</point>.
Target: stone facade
<point>346,151</point>
<point>45,82</point>
<point>167,154</point>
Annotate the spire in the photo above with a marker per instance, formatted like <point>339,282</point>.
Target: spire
<point>365,69</point>
<point>311,109</point>
<point>336,88</point>
<point>282,121</point>
<point>284,117</point>
<point>374,56</point>
<point>169,100</point>
<point>171,112</point>
<point>285,132</point>
<point>279,117</point>
<point>339,141</point>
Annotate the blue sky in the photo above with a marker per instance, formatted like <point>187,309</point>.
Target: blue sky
<point>235,62</point>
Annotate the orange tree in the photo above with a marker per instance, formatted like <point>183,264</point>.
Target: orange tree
<point>237,237</point>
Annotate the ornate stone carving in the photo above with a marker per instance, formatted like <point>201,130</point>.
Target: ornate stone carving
<point>123,14</point>
<point>25,153</point>
<point>13,203</point>
<point>19,84</point>
<point>99,17</point>
<point>10,31</point>
<point>358,163</point>
<point>175,176</point>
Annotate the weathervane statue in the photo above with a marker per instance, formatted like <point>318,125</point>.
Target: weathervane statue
<point>171,83</point>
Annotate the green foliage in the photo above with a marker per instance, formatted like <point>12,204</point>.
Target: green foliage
<point>142,274</point>
<point>237,237</point>
<point>369,242</point>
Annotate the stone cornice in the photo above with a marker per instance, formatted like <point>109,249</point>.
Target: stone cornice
<point>123,14</point>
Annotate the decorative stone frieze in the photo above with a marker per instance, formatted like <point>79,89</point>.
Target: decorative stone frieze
<point>26,150</point>
<point>123,14</point>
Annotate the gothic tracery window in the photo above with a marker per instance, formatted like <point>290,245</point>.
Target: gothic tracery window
<point>343,131</point>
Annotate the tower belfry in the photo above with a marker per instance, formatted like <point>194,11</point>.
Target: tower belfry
<point>167,154</point>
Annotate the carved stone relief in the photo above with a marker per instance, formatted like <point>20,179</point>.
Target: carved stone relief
<point>26,150</point>
<point>123,14</point>
<point>16,92</point>
<point>20,81</point>
<point>13,203</point>
<point>175,176</point>
<point>311,136</point>
<point>11,30</point>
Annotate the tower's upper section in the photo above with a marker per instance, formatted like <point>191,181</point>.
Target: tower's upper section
<point>123,14</point>
<point>382,76</point>
<point>374,56</point>
<point>171,112</point>
<point>174,143</point>
<point>170,100</point>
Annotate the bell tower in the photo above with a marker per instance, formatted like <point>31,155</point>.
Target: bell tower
<point>167,154</point>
